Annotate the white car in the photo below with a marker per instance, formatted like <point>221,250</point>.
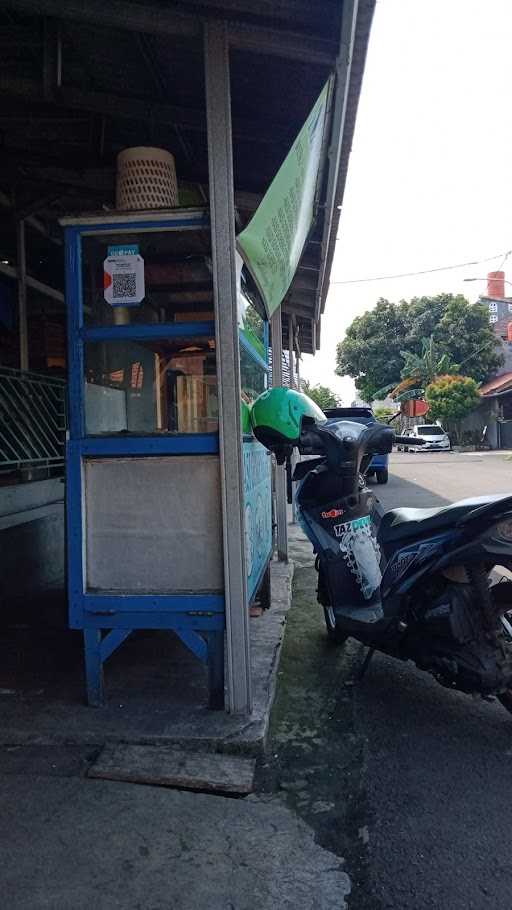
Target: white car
<point>435,439</point>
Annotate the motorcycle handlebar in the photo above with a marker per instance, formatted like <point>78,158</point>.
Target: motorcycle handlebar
<point>372,440</point>
<point>412,440</point>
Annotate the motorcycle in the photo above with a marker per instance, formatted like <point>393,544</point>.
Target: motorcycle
<point>416,584</point>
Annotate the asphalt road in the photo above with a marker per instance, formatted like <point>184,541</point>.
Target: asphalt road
<point>424,480</point>
<point>439,763</point>
<point>408,781</point>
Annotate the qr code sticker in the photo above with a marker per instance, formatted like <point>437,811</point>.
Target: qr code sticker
<point>124,285</point>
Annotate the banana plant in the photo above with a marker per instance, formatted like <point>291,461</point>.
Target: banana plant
<point>424,368</point>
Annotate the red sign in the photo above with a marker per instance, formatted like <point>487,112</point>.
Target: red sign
<point>414,408</point>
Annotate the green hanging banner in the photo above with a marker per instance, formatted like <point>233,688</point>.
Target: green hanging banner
<point>272,243</point>
<point>409,394</point>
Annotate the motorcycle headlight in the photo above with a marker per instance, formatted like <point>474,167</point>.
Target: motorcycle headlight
<point>504,529</point>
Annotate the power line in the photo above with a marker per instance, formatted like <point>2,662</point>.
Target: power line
<point>486,344</point>
<point>441,268</point>
<point>503,261</point>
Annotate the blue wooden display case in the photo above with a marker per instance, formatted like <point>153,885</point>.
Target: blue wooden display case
<point>144,523</point>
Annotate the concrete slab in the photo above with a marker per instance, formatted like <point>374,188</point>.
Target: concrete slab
<point>69,844</point>
<point>167,766</point>
<point>156,689</point>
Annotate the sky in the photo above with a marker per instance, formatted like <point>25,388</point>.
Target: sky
<point>429,179</point>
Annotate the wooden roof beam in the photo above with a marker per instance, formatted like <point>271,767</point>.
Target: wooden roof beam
<point>143,109</point>
<point>30,220</point>
<point>161,20</point>
<point>296,309</point>
<point>11,272</point>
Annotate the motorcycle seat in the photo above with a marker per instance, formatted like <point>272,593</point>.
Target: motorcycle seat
<point>398,524</point>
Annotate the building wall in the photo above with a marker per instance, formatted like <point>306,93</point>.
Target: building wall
<point>31,541</point>
<point>471,428</point>
<point>506,350</point>
<point>500,314</point>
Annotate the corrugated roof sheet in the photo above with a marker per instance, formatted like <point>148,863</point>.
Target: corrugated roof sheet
<point>500,384</point>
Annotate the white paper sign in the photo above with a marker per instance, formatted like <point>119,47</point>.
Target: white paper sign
<point>123,276</point>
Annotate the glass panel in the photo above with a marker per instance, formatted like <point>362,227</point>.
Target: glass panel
<point>145,387</point>
<point>253,377</point>
<point>432,430</point>
<point>177,277</point>
<point>252,327</point>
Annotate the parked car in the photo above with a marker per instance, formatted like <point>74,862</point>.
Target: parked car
<point>435,438</point>
<point>379,464</point>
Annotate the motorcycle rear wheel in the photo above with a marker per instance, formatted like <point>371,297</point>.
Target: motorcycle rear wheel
<point>334,633</point>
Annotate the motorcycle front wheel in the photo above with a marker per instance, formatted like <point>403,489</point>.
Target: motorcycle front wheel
<point>334,633</point>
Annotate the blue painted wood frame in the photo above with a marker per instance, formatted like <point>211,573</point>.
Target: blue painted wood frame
<point>119,446</point>
<point>75,324</point>
<point>174,621</point>
<point>191,616</point>
<point>261,575</point>
<point>195,643</point>
<point>138,225</point>
<point>143,331</point>
<point>111,604</point>
<point>255,583</point>
<point>244,343</point>
<point>111,641</point>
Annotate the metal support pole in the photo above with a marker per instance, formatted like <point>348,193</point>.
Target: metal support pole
<point>296,339</point>
<point>22,294</point>
<point>291,382</point>
<point>294,384</point>
<point>276,335</point>
<point>222,214</point>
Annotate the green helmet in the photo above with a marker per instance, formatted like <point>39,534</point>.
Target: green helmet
<point>245,416</point>
<point>277,416</point>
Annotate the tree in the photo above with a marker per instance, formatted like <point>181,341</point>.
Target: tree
<point>376,344</point>
<point>464,332</point>
<point>452,397</point>
<point>383,413</point>
<point>424,368</point>
<point>253,329</point>
<point>320,394</point>
<point>371,349</point>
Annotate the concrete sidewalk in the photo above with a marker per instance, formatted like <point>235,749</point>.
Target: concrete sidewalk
<point>70,842</point>
<point>156,690</point>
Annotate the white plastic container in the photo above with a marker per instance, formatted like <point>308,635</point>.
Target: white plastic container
<point>146,179</point>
